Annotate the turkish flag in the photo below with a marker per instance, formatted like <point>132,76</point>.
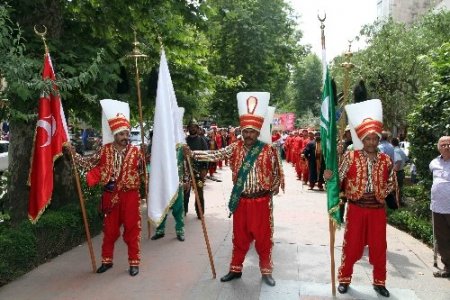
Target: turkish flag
<point>50,136</point>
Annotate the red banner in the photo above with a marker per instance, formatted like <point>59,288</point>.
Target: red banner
<point>50,136</point>
<point>284,121</point>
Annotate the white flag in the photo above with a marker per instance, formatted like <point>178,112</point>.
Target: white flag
<point>164,180</point>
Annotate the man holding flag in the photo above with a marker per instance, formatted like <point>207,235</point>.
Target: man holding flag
<point>367,179</point>
<point>119,168</point>
<point>257,176</point>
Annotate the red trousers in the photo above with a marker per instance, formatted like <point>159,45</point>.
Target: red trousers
<point>125,212</point>
<point>212,169</point>
<point>364,226</point>
<point>252,220</point>
<point>305,172</point>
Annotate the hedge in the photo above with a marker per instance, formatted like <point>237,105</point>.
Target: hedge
<point>415,217</point>
<point>26,246</point>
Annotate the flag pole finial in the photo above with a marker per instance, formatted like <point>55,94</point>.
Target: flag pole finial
<point>322,28</point>
<point>348,66</point>
<point>42,34</point>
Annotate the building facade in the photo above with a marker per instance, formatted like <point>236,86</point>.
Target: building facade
<point>407,11</point>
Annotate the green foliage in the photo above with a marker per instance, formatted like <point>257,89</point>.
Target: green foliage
<point>415,218</point>
<point>430,118</point>
<point>418,228</point>
<point>256,40</point>
<point>391,64</point>
<point>307,120</point>
<point>27,246</point>
<point>418,200</point>
<point>17,252</point>
<point>307,82</point>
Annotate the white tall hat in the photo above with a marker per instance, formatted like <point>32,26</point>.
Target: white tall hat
<point>266,130</point>
<point>252,109</point>
<point>364,118</point>
<point>115,118</point>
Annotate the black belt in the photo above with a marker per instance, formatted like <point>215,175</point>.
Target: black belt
<point>255,195</point>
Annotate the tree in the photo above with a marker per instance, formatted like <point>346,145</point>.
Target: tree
<point>390,65</point>
<point>430,118</point>
<point>307,83</point>
<point>89,41</point>
<point>254,43</point>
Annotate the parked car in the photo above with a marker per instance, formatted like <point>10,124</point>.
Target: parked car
<point>4,145</point>
<point>77,143</point>
<point>135,136</point>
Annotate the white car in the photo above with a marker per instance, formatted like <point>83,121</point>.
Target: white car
<point>4,145</point>
<point>135,136</point>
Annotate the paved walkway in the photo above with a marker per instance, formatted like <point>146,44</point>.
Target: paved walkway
<point>174,270</point>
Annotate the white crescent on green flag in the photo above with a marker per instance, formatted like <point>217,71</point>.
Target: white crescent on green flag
<point>164,179</point>
<point>328,133</point>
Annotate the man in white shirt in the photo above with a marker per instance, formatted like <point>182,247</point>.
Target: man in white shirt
<point>440,203</point>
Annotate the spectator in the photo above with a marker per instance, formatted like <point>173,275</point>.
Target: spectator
<point>400,159</point>
<point>385,146</point>
<point>440,203</point>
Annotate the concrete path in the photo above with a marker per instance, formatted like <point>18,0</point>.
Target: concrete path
<point>180,270</point>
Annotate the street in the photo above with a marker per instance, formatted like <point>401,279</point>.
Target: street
<point>180,270</point>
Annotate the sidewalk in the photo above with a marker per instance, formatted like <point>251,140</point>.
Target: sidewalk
<point>180,270</point>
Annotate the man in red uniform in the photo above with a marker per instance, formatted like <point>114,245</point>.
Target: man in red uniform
<point>367,178</point>
<point>119,168</point>
<point>308,137</point>
<point>288,146</point>
<point>257,175</point>
<point>219,142</point>
<point>298,146</point>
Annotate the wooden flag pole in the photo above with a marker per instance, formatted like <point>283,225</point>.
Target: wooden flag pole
<point>200,209</point>
<point>77,178</point>
<point>83,212</point>
<point>332,229</point>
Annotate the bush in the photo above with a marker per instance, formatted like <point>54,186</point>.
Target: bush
<point>17,253</point>
<point>26,246</point>
<point>429,120</point>
<point>415,217</point>
<point>419,228</point>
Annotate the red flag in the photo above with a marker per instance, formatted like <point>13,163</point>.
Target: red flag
<point>50,136</point>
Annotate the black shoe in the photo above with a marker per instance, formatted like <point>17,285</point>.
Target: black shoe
<point>342,288</point>
<point>268,279</point>
<point>230,276</point>
<point>104,267</point>
<point>382,290</point>
<point>180,237</point>
<point>442,274</point>
<point>157,236</point>
<point>134,270</point>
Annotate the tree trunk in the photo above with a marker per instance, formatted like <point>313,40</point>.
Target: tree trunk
<point>20,153</point>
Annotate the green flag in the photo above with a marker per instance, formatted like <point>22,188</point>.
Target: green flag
<point>329,148</point>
